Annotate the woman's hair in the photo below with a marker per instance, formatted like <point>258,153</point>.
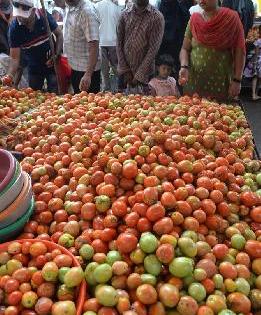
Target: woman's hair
<point>165,60</point>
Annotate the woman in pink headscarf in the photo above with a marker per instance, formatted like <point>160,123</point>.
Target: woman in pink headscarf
<point>213,53</point>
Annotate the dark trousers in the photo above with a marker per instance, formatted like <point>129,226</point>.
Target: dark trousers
<point>95,82</point>
<point>36,81</point>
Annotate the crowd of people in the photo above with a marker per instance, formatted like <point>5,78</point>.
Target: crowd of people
<point>174,47</point>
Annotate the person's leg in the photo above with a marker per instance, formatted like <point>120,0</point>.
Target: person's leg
<point>76,79</point>
<point>51,83</point>
<point>96,82</point>
<point>114,63</point>
<point>105,69</point>
<point>36,81</point>
<point>254,88</point>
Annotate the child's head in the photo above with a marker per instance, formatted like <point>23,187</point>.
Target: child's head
<point>165,65</point>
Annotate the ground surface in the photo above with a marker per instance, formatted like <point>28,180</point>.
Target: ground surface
<point>253,114</point>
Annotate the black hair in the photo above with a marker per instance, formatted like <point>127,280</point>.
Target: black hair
<point>165,60</point>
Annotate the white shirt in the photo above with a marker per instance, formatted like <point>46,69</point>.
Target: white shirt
<point>109,14</point>
<point>81,26</point>
<point>195,9</point>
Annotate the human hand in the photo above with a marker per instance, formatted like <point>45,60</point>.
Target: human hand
<point>234,89</point>
<point>183,76</point>
<point>85,82</point>
<point>50,62</point>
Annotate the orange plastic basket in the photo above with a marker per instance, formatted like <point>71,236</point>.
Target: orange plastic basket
<point>51,246</point>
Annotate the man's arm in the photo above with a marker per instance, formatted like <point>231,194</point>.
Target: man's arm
<point>15,62</point>
<point>122,64</point>
<point>93,47</point>
<point>154,45</point>
<point>91,31</point>
<point>59,41</point>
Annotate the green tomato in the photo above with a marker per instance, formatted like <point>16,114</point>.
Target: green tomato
<point>181,267</point>
<point>196,125</point>
<point>190,234</point>
<point>152,265</point>
<point>13,265</point>
<point>197,291</point>
<point>89,273</point>
<point>137,256</point>
<point>140,178</point>
<point>102,273</point>
<point>230,259</point>
<point>182,120</point>
<point>188,280</point>
<point>148,243</point>
<point>218,280</point>
<point>89,313</point>
<point>200,274</point>
<point>168,121</point>
<point>144,150</point>
<point>62,272</point>
<point>3,270</point>
<point>249,234</point>
<point>242,286</point>
<point>113,256</point>
<point>238,241</point>
<point>73,277</point>
<point>187,246</point>
<point>29,299</point>
<point>86,251</point>
<point>102,203</point>
<point>64,293</point>
<point>50,271</point>
<point>258,192</point>
<point>226,312</point>
<point>147,278</point>
<point>107,296</point>
<point>190,139</point>
<point>252,279</point>
<point>66,240</point>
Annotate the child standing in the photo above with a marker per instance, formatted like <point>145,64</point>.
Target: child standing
<point>253,67</point>
<point>164,84</point>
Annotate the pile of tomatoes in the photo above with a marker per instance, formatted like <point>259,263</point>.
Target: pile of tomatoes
<point>158,198</point>
<point>35,280</point>
<point>13,104</point>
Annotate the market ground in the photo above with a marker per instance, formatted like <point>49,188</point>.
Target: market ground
<point>253,115</point>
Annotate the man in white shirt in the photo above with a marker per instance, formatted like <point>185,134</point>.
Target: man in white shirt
<point>109,13</point>
<point>81,45</point>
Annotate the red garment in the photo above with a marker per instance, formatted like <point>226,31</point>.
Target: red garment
<point>224,31</point>
<point>64,74</point>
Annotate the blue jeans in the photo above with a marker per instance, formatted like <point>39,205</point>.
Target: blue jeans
<point>36,81</point>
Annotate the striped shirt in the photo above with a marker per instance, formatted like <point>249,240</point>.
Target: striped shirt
<point>139,36</point>
<point>81,26</point>
<point>34,44</point>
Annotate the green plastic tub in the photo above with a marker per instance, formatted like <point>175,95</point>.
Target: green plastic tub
<point>14,229</point>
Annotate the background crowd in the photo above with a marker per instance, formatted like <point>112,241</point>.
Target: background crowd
<point>173,47</point>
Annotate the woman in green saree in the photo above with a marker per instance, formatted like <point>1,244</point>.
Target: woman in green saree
<point>213,53</point>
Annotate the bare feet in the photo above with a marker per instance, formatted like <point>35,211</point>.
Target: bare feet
<point>256,98</point>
